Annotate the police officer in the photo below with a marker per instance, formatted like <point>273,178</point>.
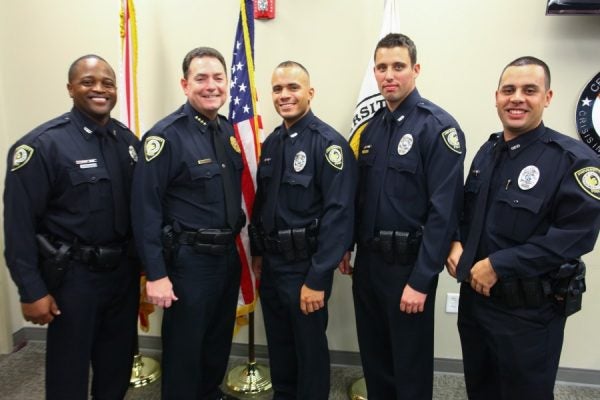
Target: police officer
<point>532,208</point>
<point>301,224</point>
<point>186,213</point>
<point>66,226</point>
<point>410,159</point>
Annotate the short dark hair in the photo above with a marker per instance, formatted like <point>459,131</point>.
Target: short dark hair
<point>74,64</point>
<point>392,40</point>
<point>529,60</point>
<point>200,52</point>
<point>289,63</point>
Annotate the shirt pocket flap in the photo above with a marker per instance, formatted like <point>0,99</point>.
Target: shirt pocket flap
<point>92,175</point>
<point>296,179</point>
<point>204,171</point>
<point>521,200</point>
<point>404,164</point>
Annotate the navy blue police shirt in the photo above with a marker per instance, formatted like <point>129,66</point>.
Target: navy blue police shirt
<point>179,181</point>
<point>410,178</point>
<point>57,183</point>
<point>543,207</point>
<point>318,181</point>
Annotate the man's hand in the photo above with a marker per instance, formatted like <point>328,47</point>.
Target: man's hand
<point>412,301</point>
<point>311,300</point>
<point>344,265</point>
<point>41,311</point>
<point>160,292</point>
<point>456,250</point>
<point>257,266</point>
<point>483,277</point>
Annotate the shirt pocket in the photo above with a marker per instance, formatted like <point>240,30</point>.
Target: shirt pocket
<point>91,189</point>
<point>206,179</point>
<point>516,215</point>
<point>298,190</point>
<point>401,177</point>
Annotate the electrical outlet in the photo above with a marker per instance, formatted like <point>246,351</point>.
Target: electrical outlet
<point>452,303</point>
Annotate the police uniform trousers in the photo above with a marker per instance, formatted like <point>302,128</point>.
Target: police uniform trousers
<point>508,353</point>
<point>297,343</point>
<point>396,348</point>
<point>97,324</point>
<point>197,329</point>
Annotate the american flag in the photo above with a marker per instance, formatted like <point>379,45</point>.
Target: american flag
<point>243,114</point>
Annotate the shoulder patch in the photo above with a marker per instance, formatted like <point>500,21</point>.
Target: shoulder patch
<point>234,144</point>
<point>335,156</point>
<point>450,137</point>
<point>589,180</point>
<point>21,156</point>
<point>153,145</point>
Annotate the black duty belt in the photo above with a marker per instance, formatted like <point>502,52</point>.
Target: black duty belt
<point>295,244</point>
<point>97,258</point>
<point>397,247</point>
<point>208,241</point>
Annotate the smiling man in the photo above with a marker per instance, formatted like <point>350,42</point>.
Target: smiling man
<point>301,225</point>
<point>67,235</point>
<point>532,209</point>
<point>186,214</point>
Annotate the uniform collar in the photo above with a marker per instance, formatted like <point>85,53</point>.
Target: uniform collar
<point>198,119</point>
<point>298,127</point>
<point>400,113</point>
<point>88,128</point>
<point>518,144</point>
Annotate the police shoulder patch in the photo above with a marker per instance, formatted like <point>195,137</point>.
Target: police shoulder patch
<point>335,156</point>
<point>589,180</point>
<point>450,137</point>
<point>21,156</point>
<point>234,144</point>
<point>153,145</point>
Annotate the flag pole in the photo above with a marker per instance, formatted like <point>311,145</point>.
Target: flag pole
<point>251,378</point>
<point>145,370</point>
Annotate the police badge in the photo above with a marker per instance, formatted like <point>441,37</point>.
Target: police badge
<point>299,161</point>
<point>405,144</point>
<point>529,177</point>
<point>133,154</point>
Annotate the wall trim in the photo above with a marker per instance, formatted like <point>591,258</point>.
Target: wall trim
<point>152,345</point>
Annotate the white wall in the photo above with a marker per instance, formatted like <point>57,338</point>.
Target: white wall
<point>462,44</point>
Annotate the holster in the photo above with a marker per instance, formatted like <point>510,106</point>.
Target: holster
<point>256,236</point>
<point>568,284</point>
<point>54,262</point>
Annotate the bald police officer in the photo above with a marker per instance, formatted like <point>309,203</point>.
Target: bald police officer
<point>301,225</point>
<point>532,208</point>
<point>67,233</point>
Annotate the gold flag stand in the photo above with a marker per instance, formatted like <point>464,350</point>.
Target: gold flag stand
<point>358,390</point>
<point>145,370</point>
<point>251,378</point>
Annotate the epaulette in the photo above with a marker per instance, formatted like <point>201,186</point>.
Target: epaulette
<point>53,123</point>
<point>494,137</point>
<point>442,116</point>
<point>169,120</point>
<point>569,144</point>
<point>122,125</point>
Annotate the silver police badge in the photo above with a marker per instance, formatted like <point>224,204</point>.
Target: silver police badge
<point>405,144</point>
<point>299,161</point>
<point>589,180</point>
<point>529,177</point>
<point>133,154</point>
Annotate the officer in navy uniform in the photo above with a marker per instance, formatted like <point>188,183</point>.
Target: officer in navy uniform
<point>302,224</point>
<point>532,208</point>
<point>186,212</point>
<point>410,159</point>
<point>67,232</point>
